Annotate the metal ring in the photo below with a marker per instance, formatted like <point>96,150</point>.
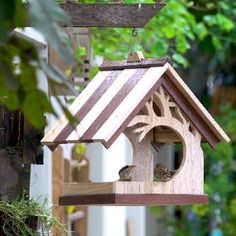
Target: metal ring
<point>134,32</point>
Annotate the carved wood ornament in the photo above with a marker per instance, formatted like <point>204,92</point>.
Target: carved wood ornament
<point>162,111</point>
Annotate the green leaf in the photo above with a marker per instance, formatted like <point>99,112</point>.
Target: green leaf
<point>161,47</point>
<point>216,42</point>
<point>180,60</point>
<point>8,76</point>
<point>181,43</point>
<point>210,20</point>
<point>168,31</point>
<point>224,22</point>
<point>81,51</point>
<point>32,110</point>
<point>201,31</point>
<point>80,148</point>
<point>34,106</point>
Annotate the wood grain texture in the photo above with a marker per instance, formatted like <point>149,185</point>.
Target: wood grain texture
<point>117,99</point>
<point>14,175</point>
<point>134,199</point>
<point>195,103</point>
<point>80,175</point>
<point>100,95</point>
<point>57,183</point>
<point>62,127</point>
<point>79,37</point>
<point>92,112</point>
<point>189,177</point>
<point>142,156</point>
<point>130,106</point>
<point>123,64</point>
<point>165,136</point>
<point>110,15</point>
<point>85,188</point>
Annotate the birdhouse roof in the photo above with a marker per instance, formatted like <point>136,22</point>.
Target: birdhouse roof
<point>116,95</point>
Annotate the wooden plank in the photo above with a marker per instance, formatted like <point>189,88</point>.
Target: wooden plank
<point>198,108</point>
<point>67,171</point>
<point>79,38</point>
<point>134,187</point>
<point>14,175</point>
<point>110,15</point>
<point>123,64</point>
<point>85,188</point>
<point>190,112</point>
<point>113,86</point>
<point>62,125</point>
<point>165,136</point>
<point>81,175</point>
<point>114,103</point>
<point>57,180</point>
<point>134,199</point>
<point>129,107</point>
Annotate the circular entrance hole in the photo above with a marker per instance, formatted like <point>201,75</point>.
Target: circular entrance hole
<point>168,154</point>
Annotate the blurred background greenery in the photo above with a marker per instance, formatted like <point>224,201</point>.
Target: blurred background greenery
<point>199,36</point>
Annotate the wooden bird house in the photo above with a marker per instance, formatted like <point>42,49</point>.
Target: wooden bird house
<point>149,102</point>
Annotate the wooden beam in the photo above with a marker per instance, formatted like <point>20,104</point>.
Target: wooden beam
<point>167,136</point>
<point>123,64</point>
<point>57,181</point>
<point>190,112</point>
<point>110,15</point>
<point>134,199</point>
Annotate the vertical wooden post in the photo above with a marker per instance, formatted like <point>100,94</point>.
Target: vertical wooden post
<point>57,181</point>
<point>14,175</point>
<point>81,175</point>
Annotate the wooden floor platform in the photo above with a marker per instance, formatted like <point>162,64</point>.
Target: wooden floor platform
<point>133,199</point>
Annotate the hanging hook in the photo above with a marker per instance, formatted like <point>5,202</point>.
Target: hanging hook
<point>134,32</point>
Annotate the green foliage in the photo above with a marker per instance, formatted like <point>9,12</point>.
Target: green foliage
<point>172,32</point>
<point>80,148</point>
<point>20,60</point>
<point>56,38</point>
<point>15,214</point>
<point>220,178</point>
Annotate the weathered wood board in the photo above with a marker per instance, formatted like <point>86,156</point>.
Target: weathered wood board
<point>111,15</point>
<point>134,199</point>
<point>14,176</point>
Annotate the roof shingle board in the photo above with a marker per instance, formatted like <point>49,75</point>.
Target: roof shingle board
<point>112,99</point>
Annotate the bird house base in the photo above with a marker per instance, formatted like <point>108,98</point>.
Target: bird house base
<point>125,193</point>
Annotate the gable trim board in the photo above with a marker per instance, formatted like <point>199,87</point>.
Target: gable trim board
<point>113,98</point>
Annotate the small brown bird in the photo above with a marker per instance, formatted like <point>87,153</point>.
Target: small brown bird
<point>162,173</point>
<point>125,173</point>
